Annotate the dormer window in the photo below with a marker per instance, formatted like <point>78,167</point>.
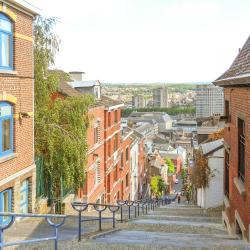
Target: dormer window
<point>6,42</point>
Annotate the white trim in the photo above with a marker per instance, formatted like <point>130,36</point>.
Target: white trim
<point>20,5</point>
<point>234,77</point>
<point>115,107</point>
<point>96,146</point>
<point>112,135</point>
<point>16,175</point>
<point>110,127</point>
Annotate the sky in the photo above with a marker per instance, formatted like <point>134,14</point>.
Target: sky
<point>147,41</point>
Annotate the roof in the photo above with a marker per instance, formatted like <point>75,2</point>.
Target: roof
<point>26,6</point>
<point>67,90</point>
<point>82,84</point>
<point>210,147</point>
<point>239,72</point>
<point>108,102</point>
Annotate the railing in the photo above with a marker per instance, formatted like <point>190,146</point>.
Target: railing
<point>81,207</point>
<point>48,217</point>
<point>144,205</point>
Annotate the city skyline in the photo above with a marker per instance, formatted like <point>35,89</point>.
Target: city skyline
<point>149,41</point>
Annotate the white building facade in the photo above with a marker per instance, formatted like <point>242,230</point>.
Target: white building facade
<point>209,101</point>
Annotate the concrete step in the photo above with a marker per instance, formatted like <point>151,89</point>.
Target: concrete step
<point>176,226</point>
<point>182,218</point>
<point>180,211</point>
<point>125,239</point>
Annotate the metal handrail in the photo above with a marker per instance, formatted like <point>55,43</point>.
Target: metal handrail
<point>48,218</point>
<point>99,207</point>
<point>144,204</point>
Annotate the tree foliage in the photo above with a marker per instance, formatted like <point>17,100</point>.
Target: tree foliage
<point>188,109</point>
<point>157,185</point>
<point>171,168</point>
<point>216,135</point>
<point>201,172</point>
<point>60,125</point>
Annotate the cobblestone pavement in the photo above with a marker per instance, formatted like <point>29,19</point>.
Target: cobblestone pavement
<point>175,226</point>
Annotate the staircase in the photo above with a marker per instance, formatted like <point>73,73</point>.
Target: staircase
<point>176,226</point>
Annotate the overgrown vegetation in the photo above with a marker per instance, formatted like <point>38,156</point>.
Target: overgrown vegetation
<point>201,172</point>
<point>171,168</point>
<point>188,109</point>
<point>60,125</point>
<point>157,185</point>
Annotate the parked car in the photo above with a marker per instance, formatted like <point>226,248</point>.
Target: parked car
<point>176,181</point>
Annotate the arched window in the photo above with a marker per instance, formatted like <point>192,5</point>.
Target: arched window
<point>6,42</point>
<point>6,129</point>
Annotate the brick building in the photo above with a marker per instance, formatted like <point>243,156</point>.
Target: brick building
<point>236,84</point>
<point>17,167</point>
<point>108,167</point>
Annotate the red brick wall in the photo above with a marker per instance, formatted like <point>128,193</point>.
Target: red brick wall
<point>96,151</point>
<point>239,99</point>
<point>20,85</point>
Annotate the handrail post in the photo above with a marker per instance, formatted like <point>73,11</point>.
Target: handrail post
<point>129,212</point>
<point>80,226</point>
<point>100,220</point>
<point>121,214</point>
<point>138,207</point>
<point>113,219</point>
<point>146,209</point>
<point>56,238</point>
<point>135,211</point>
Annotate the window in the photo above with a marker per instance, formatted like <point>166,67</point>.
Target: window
<point>227,111</point>
<point>127,181</point>
<point>122,163</point>
<point>6,42</point>
<point>126,154</point>
<point>116,116</point>
<point>97,132</point>
<point>24,197</point>
<point>241,149</point>
<point>109,147</point>
<point>6,129</point>
<point>108,184</point>
<point>226,187</point>
<point>97,172</point>
<point>5,204</point>
<point>115,174</point>
<point>116,142</point>
<point>109,119</point>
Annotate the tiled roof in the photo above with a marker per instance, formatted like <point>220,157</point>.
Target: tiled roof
<point>240,68</point>
<point>67,90</point>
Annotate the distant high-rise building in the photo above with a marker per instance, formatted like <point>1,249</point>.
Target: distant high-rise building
<point>160,97</point>
<point>209,101</point>
<point>138,101</point>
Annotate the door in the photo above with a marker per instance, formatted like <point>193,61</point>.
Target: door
<point>5,204</point>
<point>24,199</point>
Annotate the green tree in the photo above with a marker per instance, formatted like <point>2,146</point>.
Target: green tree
<point>183,173</point>
<point>60,125</point>
<point>171,168</point>
<point>157,185</point>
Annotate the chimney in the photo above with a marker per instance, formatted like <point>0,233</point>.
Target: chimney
<point>77,76</point>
